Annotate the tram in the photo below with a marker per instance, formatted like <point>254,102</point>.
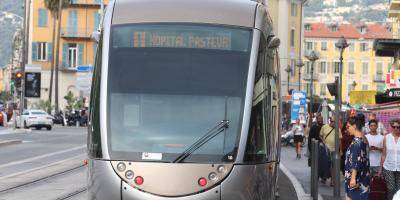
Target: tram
<point>185,102</point>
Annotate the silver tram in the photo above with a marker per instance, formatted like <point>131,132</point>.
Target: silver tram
<point>185,102</point>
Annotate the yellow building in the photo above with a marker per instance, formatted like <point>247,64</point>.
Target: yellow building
<point>362,70</point>
<point>77,50</point>
<point>287,18</point>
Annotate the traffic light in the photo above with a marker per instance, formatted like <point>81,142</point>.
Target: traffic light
<point>333,88</point>
<point>18,79</point>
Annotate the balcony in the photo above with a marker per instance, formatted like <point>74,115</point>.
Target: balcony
<point>307,77</point>
<point>85,3</point>
<point>84,33</point>
<point>379,78</point>
<point>394,8</point>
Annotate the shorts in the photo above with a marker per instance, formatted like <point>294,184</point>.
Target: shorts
<point>298,138</point>
<point>357,193</point>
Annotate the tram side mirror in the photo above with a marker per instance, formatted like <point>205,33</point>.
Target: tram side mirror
<point>96,36</point>
<point>273,42</point>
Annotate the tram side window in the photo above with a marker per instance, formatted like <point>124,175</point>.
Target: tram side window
<point>94,138</point>
<point>256,147</point>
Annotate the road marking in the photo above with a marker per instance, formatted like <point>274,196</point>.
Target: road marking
<point>301,194</point>
<point>42,156</point>
<point>43,166</point>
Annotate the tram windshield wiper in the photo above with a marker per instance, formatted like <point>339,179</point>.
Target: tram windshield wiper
<point>223,125</point>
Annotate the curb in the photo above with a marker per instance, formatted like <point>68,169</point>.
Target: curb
<point>301,194</point>
<point>9,142</point>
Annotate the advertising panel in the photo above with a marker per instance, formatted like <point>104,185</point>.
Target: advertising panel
<point>32,84</point>
<point>299,106</point>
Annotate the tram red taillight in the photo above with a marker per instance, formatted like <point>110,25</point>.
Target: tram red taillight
<point>139,180</point>
<point>202,181</point>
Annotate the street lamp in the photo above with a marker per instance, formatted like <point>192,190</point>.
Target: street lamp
<point>341,45</point>
<point>312,56</point>
<point>299,64</point>
<point>288,71</point>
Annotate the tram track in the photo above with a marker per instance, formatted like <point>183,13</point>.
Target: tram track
<point>72,194</point>
<point>42,179</point>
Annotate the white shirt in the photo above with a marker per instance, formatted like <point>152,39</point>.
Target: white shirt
<point>375,155</point>
<point>298,130</point>
<point>392,161</point>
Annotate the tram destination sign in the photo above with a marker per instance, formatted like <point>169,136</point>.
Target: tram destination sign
<point>394,92</point>
<point>194,37</point>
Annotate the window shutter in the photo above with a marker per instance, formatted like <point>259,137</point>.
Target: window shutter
<point>80,56</point>
<point>34,51</point>
<point>65,55</point>
<point>72,23</point>
<point>49,51</point>
<point>42,20</point>
<point>96,21</point>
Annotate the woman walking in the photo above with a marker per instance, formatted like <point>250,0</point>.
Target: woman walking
<point>390,160</point>
<point>298,132</point>
<point>356,176</point>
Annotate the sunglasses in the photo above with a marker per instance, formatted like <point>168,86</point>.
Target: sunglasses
<point>396,127</point>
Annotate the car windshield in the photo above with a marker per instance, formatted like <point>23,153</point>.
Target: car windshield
<point>168,85</point>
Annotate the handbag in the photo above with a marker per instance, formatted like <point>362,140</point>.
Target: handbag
<point>378,188</point>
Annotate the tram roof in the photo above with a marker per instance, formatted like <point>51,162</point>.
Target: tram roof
<point>229,12</point>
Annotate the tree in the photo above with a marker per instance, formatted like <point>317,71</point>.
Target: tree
<point>53,6</point>
<point>70,98</point>
<point>42,105</point>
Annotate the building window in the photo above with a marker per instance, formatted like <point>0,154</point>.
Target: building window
<point>362,29</point>
<point>333,28</point>
<point>294,10</point>
<point>309,46</point>
<point>322,67</point>
<point>42,19</point>
<point>322,89</point>
<point>41,51</point>
<point>351,68</point>
<point>307,27</point>
<point>351,46</point>
<point>350,87</point>
<point>324,46</point>
<point>380,87</point>
<point>365,68</point>
<point>364,87</point>
<point>308,88</point>
<point>72,55</point>
<point>379,68</point>
<point>307,67</point>
<point>336,66</point>
<point>363,46</point>
<point>292,34</point>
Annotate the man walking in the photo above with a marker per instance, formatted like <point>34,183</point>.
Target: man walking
<point>314,134</point>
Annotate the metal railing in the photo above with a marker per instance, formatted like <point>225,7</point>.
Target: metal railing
<point>76,33</point>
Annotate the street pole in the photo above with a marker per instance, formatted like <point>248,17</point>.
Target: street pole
<point>312,57</point>
<point>300,65</point>
<point>57,56</point>
<point>342,45</point>
<point>288,70</point>
<point>24,53</point>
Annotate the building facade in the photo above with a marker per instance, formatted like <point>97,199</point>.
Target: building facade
<point>77,50</point>
<point>287,18</point>
<point>362,70</point>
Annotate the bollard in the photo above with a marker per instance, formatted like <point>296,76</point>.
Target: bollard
<point>315,162</point>
<point>312,168</point>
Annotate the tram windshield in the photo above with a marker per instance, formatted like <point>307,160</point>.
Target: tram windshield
<point>169,84</point>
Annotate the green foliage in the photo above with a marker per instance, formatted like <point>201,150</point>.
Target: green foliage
<point>73,103</point>
<point>52,5</point>
<point>43,105</point>
<point>5,96</point>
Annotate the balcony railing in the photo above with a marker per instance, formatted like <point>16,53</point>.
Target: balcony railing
<point>85,3</point>
<point>379,78</point>
<point>76,33</point>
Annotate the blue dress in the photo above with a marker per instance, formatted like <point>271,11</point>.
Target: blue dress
<point>357,158</point>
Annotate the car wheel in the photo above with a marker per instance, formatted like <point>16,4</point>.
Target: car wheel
<point>25,126</point>
<point>48,128</point>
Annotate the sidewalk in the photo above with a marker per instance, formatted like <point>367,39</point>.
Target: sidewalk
<point>300,170</point>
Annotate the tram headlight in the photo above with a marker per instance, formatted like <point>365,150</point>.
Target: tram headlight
<point>121,166</point>
<point>213,176</point>
<point>221,169</point>
<point>129,174</point>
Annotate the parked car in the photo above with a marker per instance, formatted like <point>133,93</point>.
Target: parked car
<point>35,118</point>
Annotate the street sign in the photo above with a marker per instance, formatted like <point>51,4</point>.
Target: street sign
<point>83,68</point>
<point>299,106</point>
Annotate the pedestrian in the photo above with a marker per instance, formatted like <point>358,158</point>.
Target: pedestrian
<point>344,145</point>
<point>357,177</point>
<point>314,134</point>
<point>298,133</point>
<point>390,159</point>
<point>380,129</point>
<point>375,144</point>
<point>327,135</point>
